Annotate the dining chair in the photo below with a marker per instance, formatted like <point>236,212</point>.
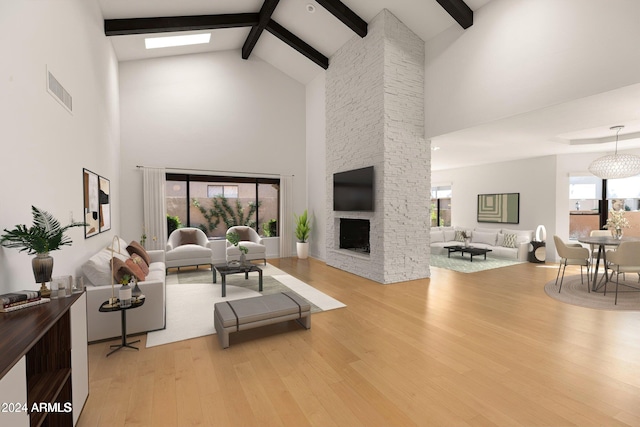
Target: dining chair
<point>571,254</point>
<point>626,259</point>
<point>594,248</point>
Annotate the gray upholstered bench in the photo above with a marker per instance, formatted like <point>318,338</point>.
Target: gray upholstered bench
<point>249,313</point>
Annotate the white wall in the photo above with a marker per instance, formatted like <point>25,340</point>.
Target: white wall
<point>316,165</point>
<point>45,147</point>
<point>535,180</point>
<point>523,55</point>
<point>211,112</point>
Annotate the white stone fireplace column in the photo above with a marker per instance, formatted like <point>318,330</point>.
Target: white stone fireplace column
<point>375,117</point>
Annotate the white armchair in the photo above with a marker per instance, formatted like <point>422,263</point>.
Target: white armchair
<point>188,246</point>
<point>250,239</point>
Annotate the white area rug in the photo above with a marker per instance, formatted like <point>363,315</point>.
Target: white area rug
<point>190,305</point>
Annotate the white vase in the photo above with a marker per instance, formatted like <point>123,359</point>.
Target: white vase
<point>302,248</point>
<point>124,294</point>
<point>617,233</point>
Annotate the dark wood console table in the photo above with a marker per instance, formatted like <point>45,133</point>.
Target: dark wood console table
<point>40,338</point>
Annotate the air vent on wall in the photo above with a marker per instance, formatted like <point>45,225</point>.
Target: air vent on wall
<point>58,92</point>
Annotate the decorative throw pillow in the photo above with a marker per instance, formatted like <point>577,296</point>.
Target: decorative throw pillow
<point>119,247</point>
<point>135,248</point>
<point>140,262</point>
<point>459,236</point>
<point>510,240</point>
<point>243,232</point>
<point>486,238</point>
<point>436,236</point>
<point>120,268</point>
<point>449,235</point>
<point>188,237</point>
<point>135,268</point>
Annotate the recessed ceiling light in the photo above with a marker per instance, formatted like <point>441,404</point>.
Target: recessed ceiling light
<point>435,148</point>
<point>310,8</point>
<point>158,42</point>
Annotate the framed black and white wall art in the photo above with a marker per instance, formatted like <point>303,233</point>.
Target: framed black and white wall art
<point>91,211</point>
<point>104,198</point>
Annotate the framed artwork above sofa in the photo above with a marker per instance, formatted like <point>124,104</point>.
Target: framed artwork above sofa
<point>502,208</point>
<point>97,203</point>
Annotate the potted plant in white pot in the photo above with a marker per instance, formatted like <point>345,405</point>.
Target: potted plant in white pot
<point>302,234</point>
<point>45,235</point>
<point>234,239</point>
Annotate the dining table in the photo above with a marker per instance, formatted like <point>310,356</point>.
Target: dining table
<point>602,242</point>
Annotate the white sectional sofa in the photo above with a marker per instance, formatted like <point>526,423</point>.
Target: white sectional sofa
<point>149,317</point>
<point>488,238</point>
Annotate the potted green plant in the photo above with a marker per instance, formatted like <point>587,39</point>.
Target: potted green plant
<point>234,239</point>
<point>270,228</point>
<point>303,228</point>
<point>45,235</point>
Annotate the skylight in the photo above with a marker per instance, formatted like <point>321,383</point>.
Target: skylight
<point>158,42</point>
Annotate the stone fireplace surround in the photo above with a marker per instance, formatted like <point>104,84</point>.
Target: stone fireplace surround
<point>375,117</point>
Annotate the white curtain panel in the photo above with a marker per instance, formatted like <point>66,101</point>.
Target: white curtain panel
<point>286,216</point>
<point>155,207</point>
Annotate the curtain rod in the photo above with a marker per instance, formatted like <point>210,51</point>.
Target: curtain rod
<point>216,171</point>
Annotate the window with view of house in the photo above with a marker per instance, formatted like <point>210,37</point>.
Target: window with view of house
<point>624,194</point>
<point>228,191</point>
<point>215,203</point>
<point>587,193</point>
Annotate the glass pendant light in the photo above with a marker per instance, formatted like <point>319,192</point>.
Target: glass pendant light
<point>616,165</point>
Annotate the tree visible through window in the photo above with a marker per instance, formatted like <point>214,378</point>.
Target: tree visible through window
<point>441,206</point>
<point>215,203</point>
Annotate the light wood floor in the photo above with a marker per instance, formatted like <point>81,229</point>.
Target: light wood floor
<point>480,349</point>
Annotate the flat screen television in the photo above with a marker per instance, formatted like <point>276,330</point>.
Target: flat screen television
<point>353,190</point>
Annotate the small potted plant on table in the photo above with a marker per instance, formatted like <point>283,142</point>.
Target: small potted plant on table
<point>234,239</point>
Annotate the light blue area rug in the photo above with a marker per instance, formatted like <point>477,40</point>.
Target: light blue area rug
<point>464,265</point>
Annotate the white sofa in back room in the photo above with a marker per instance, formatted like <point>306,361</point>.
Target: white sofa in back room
<point>488,238</point>
<point>148,317</point>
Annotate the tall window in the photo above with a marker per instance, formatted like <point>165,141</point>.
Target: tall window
<point>586,196</point>
<point>624,194</point>
<point>215,203</point>
<point>585,192</point>
<point>441,206</point>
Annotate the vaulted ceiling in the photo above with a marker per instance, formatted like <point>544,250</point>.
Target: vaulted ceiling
<point>295,36</point>
<point>298,37</point>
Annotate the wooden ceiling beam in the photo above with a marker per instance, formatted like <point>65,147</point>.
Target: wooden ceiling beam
<point>346,15</point>
<point>268,7</point>
<point>459,11</point>
<point>121,27</point>
<point>298,44</point>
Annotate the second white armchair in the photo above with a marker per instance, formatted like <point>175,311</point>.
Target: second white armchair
<point>188,246</point>
<point>250,239</point>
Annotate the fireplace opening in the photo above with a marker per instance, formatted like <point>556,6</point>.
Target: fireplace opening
<point>354,235</point>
